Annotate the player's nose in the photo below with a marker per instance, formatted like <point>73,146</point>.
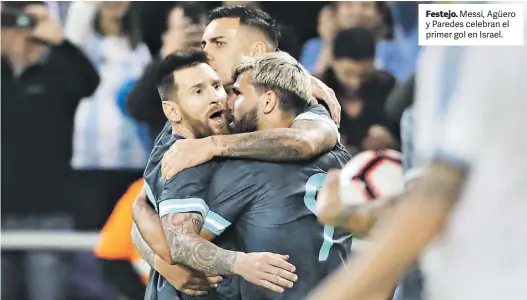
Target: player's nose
<point>218,97</point>
<point>206,49</point>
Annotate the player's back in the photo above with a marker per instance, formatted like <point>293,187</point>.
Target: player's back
<point>278,216</point>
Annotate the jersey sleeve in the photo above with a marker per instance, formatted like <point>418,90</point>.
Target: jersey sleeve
<point>318,112</point>
<point>186,191</point>
<point>231,190</point>
<point>486,99</point>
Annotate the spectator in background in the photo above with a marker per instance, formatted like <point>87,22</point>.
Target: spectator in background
<point>372,15</point>
<point>104,137</point>
<point>108,151</point>
<point>185,24</point>
<point>44,77</point>
<point>362,91</point>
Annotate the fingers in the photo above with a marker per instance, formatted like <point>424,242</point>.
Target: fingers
<point>38,11</point>
<point>325,93</point>
<point>270,286</point>
<point>273,260</point>
<point>214,279</point>
<point>280,281</point>
<point>194,292</point>
<point>332,178</point>
<point>203,283</point>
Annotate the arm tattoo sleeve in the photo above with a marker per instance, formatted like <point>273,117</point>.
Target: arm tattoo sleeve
<point>188,248</point>
<point>142,247</point>
<point>270,145</point>
<point>303,140</point>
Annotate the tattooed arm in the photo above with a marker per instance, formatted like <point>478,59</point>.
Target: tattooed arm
<point>309,135</point>
<point>305,139</point>
<point>187,247</point>
<point>148,227</point>
<point>142,247</point>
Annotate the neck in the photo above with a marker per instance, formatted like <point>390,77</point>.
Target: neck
<point>182,130</point>
<point>282,120</point>
<point>110,26</point>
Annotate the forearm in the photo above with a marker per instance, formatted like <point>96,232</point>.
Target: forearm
<point>280,144</point>
<point>360,219</point>
<point>188,248</point>
<point>149,228</point>
<point>372,273</point>
<point>400,237</point>
<point>142,246</point>
<point>199,254</point>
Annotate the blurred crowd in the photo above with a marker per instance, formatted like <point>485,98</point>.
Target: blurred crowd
<point>80,108</point>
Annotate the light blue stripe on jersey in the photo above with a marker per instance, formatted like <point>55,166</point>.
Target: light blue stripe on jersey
<point>407,138</point>
<point>172,206</point>
<point>449,79</point>
<point>215,223</point>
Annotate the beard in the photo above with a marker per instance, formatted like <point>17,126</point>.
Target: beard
<point>204,132</point>
<point>247,123</point>
<point>200,129</point>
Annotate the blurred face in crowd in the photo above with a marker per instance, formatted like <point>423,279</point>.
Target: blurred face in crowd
<point>352,73</point>
<point>351,14</point>
<point>113,10</point>
<point>243,3</point>
<point>198,102</point>
<point>246,105</point>
<point>16,39</point>
<point>177,19</point>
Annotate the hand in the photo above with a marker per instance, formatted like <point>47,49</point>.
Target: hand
<point>47,28</point>
<point>326,94</point>
<point>268,270</point>
<point>329,205</point>
<point>180,39</point>
<point>184,154</point>
<point>186,280</point>
<point>181,33</point>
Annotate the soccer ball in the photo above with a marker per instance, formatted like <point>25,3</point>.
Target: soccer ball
<point>371,174</point>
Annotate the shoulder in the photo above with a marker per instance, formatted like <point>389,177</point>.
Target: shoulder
<point>314,112</point>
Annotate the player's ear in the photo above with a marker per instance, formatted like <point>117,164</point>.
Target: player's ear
<point>259,48</point>
<point>171,110</point>
<point>271,102</point>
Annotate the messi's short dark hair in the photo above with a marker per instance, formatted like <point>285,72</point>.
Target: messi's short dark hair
<point>176,61</point>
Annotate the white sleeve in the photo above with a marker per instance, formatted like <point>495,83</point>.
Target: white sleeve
<point>488,96</point>
<point>79,22</point>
